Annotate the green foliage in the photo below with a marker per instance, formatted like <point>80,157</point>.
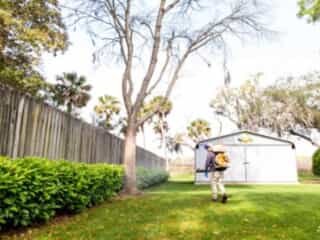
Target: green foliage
<point>198,130</point>
<point>108,110</point>
<point>310,9</point>
<point>150,177</point>
<point>155,111</point>
<point>18,79</point>
<point>70,91</point>
<point>316,163</point>
<point>159,120</point>
<point>159,104</point>
<point>35,189</point>
<point>27,29</point>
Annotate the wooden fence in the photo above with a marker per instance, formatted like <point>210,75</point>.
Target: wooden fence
<point>29,127</point>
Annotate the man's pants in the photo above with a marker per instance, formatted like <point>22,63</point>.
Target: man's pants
<point>216,182</point>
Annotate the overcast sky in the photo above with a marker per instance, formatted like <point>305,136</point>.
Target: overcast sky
<point>296,50</point>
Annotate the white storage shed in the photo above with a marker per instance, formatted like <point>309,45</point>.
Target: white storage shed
<point>255,158</point>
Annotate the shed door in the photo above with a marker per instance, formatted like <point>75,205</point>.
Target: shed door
<point>269,164</point>
<point>256,163</point>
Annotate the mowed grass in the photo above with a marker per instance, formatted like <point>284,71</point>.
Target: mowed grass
<point>181,210</point>
<point>308,177</point>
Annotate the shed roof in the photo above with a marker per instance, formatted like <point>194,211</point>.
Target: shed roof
<point>247,132</point>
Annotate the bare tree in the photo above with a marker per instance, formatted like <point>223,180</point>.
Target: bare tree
<point>289,106</point>
<point>152,41</point>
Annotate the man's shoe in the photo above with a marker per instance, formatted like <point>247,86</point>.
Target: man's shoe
<point>224,198</point>
<point>214,199</point>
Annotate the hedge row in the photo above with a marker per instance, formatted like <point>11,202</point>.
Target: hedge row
<point>316,163</point>
<point>147,178</point>
<point>34,189</point>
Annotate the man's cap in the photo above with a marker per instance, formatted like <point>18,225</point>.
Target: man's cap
<point>215,148</point>
<point>219,148</point>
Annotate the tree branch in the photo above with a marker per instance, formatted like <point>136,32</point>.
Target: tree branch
<point>169,89</point>
<point>171,6</point>
<point>153,59</point>
<point>164,67</point>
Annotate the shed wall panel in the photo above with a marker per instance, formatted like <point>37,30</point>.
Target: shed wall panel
<point>263,161</point>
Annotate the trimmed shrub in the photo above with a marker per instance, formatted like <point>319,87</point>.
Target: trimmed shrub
<point>316,163</point>
<point>35,189</point>
<point>150,177</point>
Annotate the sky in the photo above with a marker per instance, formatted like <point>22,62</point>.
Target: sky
<point>294,50</point>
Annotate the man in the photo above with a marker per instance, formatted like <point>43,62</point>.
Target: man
<point>216,171</point>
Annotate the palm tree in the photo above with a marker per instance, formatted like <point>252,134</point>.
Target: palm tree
<point>161,125</point>
<point>107,109</point>
<point>176,142</point>
<point>198,130</point>
<point>71,91</point>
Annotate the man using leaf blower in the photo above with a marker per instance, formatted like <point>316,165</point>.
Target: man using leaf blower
<point>217,162</point>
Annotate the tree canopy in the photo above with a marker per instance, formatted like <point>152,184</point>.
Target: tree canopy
<point>27,29</point>
<point>70,92</point>
<point>108,110</point>
<point>198,130</point>
<point>310,9</point>
<point>289,105</point>
<point>160,122</point>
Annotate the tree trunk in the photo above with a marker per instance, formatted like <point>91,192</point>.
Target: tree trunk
<point>165,153</point>
<point>69,107</point>
<point>163,132</point>
<point>129,160</point>
<point>143,136</point>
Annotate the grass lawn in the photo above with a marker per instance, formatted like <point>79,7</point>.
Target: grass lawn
<point>181,210</point>
<point>307,177</point>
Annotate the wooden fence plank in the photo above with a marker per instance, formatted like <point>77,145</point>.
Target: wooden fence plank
<point>31,128</point>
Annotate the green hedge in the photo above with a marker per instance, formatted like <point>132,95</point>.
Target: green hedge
<point>147,178</point>
<point>35,189</point>
<point>316,163</point>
